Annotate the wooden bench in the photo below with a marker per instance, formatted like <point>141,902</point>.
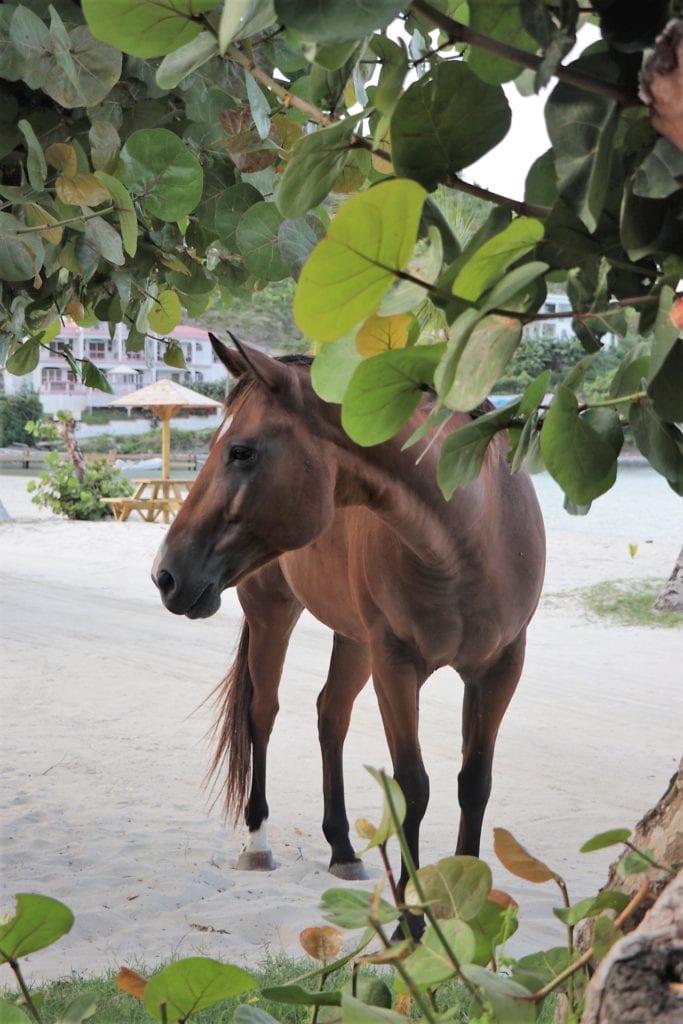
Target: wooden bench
<point>148,509</point>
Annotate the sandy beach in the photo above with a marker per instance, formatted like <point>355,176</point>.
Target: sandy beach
<point>104,744</point>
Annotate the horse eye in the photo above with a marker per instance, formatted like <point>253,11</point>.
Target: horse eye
<point>241,453</point>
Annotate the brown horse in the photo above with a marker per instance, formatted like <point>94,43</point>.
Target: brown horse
<point>296,515</point>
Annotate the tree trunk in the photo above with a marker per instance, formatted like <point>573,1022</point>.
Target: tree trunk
<point>641,978</point>
<point>671,597</point>
<point>640,981</point>
<point>73,449</point>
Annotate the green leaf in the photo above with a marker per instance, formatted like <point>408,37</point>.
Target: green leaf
<point>297,995</point>
<point>257,241</point>
<point>80,1009</point>
<point>660,173</point>
<point>243,18</point>
<point>317,161</point>
<point>661,443</point>
<point>173,356</point>
<point>463,451</point>
<point>453,887</point>
<point>38,922</point>
<point>538,969</point>
<point>25,358</point>
<point>259,106</point>
<point>9,1013</point>
<point>165,314</point>
<point>508,999</point>
<point>192,984</point>
<point>513,285</point>
<point>370,240</point>
<point>634,863</point>
<point>235,201</point>
<point>665,383</point>
<point>105,240</point>
<point>123,204</point>
<point>430,964</point>
<point>336,21</point>
<point>425,265</point>
<point>591,907</point>
<point>31,39</point>
<point>143,28</point>
<point>159,170</point>
<point>600,841</point>
<point>36,165</point>
<point>582,127</point>
<point>580,450</point>
<point>386,827</point>
<point>486,353</point>
<point>445,121</point>
<point>297,239</point>
<point>21,255</point>
<point>182,62</point>
<point>333,368</point>
<point>97,69</point>
<point>104,145</point>
<point>501,20</point>
<point>356,1011</point>
<point>489,262</point>
<point>351,908</point>
<point>92,377</point>
<point>247,1014</point>
<point>385,390</point>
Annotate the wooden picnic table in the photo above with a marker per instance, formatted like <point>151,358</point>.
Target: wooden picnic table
<point>153,499</point>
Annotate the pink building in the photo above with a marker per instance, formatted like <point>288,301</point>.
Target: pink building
<point>53,380</point>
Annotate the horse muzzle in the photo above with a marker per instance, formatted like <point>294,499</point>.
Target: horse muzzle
<point>182,601</point>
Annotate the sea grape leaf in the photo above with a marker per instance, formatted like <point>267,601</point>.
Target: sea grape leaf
<point>257,241</point>
<point>430,964</point>
<point>159,170</point>
<point>463,451</point>
<point>385,390</point>
<point>180,63</point>
<point>498,19</point>
<point>38,921</point>
<point>316,163</point>
<point>165,314</point>
<point>192,984</point>
<point>337,21</point>
<point>446,121</point>
<point>518,860</point>
<point>453,887</point>
<point>489,262</point>
<point>145,29</point>
<point>351,269</point>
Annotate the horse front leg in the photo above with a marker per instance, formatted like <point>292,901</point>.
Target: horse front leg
<point>348,673</point>
<point>488,692</point>
<point>271,612</point>
<point>397,684</point>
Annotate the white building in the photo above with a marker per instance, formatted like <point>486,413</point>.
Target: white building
<point>560,325</point>
<point>54,381</point>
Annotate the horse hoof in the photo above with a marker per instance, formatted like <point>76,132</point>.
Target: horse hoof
<point>255,860</point>
<point>353,871</point>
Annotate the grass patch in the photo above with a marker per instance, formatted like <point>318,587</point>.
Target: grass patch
<point>625,602</point>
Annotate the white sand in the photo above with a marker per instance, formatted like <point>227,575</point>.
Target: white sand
<point>103,749</point>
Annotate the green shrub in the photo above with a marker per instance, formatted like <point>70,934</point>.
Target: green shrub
<point>59,490</point>
<point>15,410</point>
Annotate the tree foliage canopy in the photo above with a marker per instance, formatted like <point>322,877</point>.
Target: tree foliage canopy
<point>163,155</point>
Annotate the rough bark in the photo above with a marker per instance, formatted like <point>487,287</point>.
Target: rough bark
<point>73,449</point>
<point>671,597</point>
<point>641,978</point>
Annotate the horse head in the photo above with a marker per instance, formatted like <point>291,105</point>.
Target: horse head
<point>264,489</point>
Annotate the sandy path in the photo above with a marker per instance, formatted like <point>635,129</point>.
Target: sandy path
<point>103,749</point>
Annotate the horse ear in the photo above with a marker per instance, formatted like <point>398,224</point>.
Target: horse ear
<point>245,359</point>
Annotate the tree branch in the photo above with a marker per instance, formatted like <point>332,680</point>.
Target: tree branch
<point>460,33</point>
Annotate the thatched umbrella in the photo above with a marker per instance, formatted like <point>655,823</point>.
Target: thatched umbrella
<point>165,398</point>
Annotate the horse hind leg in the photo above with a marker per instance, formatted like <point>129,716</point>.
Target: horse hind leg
<point>348,673</point>
<point>488,693</point>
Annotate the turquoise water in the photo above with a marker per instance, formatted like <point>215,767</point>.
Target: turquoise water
<point>640,507</point>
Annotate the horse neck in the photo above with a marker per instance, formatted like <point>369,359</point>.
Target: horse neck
<point>400,491</point>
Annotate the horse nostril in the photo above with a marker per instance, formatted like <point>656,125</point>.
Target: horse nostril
<point>164,581</point>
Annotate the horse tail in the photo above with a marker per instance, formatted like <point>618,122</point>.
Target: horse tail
<point>231,732</point>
